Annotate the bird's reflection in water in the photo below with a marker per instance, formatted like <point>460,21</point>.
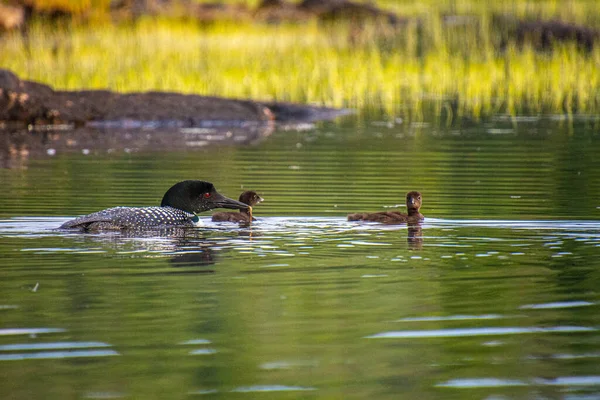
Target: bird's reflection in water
<point>198,251</point>
<point>184,247</point>
<point>195,258</point>
<point>190,249</point>
<point>246,231</point>
<point>415,237</point>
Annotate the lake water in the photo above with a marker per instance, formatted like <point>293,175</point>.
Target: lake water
<point>496,297</point>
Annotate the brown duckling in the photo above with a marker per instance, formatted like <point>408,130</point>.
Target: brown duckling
<point>248,197</point>
<point>413,203</point>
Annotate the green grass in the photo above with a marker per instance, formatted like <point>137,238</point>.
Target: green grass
<point>457,69</point>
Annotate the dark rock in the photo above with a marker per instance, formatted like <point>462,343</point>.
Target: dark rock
<point>275,11</point>
<point>22,100</point>
<point>544,34</point>
<point>210,12</point>
<point>33,103</point>
<point>324,10</point>
<point>84,106</point>
<point>358,13</point>
<point>9,81</point>
<point>272,3</point>
<point>289,112</point>
<point>320,6</point>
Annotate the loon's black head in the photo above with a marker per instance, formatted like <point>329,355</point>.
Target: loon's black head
<point>250,197</point>
<point>197,196</point>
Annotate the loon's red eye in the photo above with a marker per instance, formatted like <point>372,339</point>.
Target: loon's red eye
<point>206,195</point>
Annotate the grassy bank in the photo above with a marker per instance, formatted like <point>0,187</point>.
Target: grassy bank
<point>461,69</point>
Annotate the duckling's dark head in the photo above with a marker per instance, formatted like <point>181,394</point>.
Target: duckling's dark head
<point>250,197</point>
<point>413,201</point>
<point>197,196</point>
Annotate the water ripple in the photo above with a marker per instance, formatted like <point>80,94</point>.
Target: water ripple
<point>559,304</point>
<point>66,347</point>
<point>271,388</point>
<point>441,333</point>
<point>57,354</point>
<point>29,331</point>
<point>452,318</point>
<point>199,352</point>
<point>196,341</point>
<point>51,346</point>
<point>473,383</point>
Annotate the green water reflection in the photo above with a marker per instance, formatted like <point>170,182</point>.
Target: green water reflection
<point>538,169</point>
<point>289,307</point>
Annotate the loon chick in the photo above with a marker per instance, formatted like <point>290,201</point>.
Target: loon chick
<point>177,209</point>
<point>248,197</point>
<point>413,203</point>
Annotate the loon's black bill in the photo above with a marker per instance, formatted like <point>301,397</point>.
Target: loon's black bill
<point>221,201</point>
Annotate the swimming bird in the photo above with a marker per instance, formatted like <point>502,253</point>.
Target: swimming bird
<point>248,197</point>
<point>413,204</point>
<point>178,208</point>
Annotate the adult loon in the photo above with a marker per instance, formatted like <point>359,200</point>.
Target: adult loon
<point>177,209</point>
<point>413,204</point>
<point>248,197</point>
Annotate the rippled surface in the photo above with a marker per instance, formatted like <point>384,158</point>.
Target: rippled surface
<point>495,297</point>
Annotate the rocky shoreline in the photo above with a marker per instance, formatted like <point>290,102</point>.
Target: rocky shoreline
<point>31,103</point>
<point>37,121</point>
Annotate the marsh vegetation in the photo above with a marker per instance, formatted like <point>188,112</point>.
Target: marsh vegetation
<point>459,58</point>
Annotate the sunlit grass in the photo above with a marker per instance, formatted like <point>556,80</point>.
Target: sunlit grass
<point>374,70</point>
